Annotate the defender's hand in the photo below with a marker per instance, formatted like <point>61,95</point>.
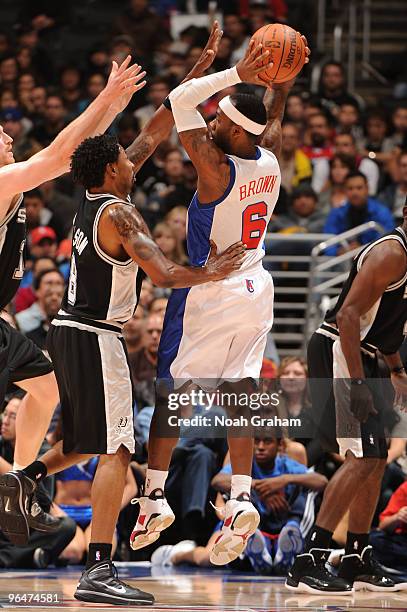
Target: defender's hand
<point>208,54</point>
<point>124,81</point>
<point>361,402</point>
<point>219,266</point>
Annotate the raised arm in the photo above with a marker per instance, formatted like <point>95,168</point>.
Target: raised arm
<point>159,127</point>
<point>55,159</point>
<point>129,228</point>
<point>275,99</point>
<point>210,161</point>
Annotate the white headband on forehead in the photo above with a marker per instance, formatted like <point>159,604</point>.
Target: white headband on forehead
<point>237,117</point>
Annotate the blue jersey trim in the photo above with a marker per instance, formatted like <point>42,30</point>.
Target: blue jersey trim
<point>172,332</point>
<point>228,188</point>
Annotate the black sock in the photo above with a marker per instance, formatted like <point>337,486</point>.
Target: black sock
<point>356,542</point>
<point>36,471</point>
<point>318,537</point>
<point>98,552</point>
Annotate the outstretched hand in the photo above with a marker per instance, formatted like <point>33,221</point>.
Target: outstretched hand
<point>208,54</point>
<point>123,82</point>
<point>220,266</point>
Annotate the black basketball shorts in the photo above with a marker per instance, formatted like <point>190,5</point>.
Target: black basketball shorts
<point>20,358</point>
<point>93,375</point>
<point>337,428</point>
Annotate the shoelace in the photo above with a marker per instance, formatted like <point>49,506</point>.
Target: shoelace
<point>222,510</point>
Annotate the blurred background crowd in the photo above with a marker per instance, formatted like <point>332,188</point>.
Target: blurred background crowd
<point>343,162</point>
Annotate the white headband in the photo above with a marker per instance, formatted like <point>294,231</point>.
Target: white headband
<point>237,117</point>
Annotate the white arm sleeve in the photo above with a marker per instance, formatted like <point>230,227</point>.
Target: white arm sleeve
<point>187,96</point>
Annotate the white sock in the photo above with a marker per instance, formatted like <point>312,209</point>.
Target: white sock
<point>17,466</point>
<point>240,484</point>
<point>155,479</point>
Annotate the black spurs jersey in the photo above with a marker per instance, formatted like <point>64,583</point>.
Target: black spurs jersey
<point>384,326</point>
<point>100,287</point>
<point>12,242</point>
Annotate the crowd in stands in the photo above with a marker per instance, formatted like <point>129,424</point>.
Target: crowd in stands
<point>342,162</point>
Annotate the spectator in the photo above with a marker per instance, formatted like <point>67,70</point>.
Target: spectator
<point>223,60</point>
<point>332,87</point>
<point>94,85</point>
<point>158,90</point>
<point>146,294</point>
<point>295,166</point>
<point>158,306</point>
<point>43,242</point>
<point>47,282</point>
<point>376,145</point>
<point>320,150</point>
<point>278,489</point>
<point>55,117</point>
<point>139,22</point>
<point>399,121</point>
<point>390,543</point>
<point>349,120</point>
<point>358,209</point>
<point>185,189</point>
<point>73,499</point>
<point>8,71</point>
<point>59,203</point>
<point>42,549</point>
<point>303,214</point>
<point>23,146</point>
<point>167,240</point>
<point>177,218</point>
<point>143,363</point>
<point>235,28</point>
<point>8,99</point>
<point>133,331</point>
<point>127,129</point>
<point>394,196</point>
<point>38,104</point>
<point>50,303</point>
<point>25,295</point>
<point>334,192</point>
<point>70,87</point>
<point>295,112</point>
<point>25,85</point>
<point>345,144</point>
<point>39,216</point>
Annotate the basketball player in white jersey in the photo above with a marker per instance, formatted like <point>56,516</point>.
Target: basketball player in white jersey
<point>21,361</point>
<point>218,331</point>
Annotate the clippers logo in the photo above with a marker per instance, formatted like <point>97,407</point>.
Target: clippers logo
<point>249,286</point>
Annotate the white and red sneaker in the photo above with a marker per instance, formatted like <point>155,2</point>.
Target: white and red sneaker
<point>241,521</point>
<point>155,516</point>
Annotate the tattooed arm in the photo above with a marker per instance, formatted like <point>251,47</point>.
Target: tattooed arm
<point>161,123</point>
<point>126,225</point>
<point>274,101</point>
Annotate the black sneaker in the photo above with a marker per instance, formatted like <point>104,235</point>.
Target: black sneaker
<point>309,575</point>
<point>365,573</point>
<point>101,584</point>
<point>19,509</point>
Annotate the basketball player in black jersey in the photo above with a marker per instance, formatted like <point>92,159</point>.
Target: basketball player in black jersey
<point>21,361</point>
<point>370,316</point>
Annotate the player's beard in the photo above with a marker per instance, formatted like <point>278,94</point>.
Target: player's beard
<point>222,141</point>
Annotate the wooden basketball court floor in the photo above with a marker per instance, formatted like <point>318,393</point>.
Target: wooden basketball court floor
<point>184,590</point>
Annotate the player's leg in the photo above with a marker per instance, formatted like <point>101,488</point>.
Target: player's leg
<point>309,574</point>
<point>34,416</point>
<point>251,315</point>
<point>23,363</point>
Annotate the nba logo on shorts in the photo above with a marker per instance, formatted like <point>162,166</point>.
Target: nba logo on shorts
<point>249,286</point>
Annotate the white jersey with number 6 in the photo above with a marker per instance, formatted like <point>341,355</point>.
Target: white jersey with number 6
<point>218,331</point>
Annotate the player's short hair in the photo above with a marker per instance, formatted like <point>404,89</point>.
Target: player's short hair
<point>356,174</point>
<point>250,106</point>
<point>90,158</point>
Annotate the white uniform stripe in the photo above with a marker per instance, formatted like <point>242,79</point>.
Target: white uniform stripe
<point>118,394</point>
<point>85,327</point>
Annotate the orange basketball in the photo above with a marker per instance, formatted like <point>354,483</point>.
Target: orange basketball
<point>287,52</point>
